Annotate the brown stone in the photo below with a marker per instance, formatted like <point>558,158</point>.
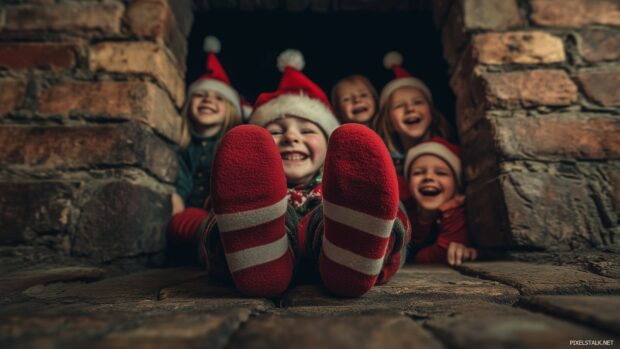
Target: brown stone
<point>575,13</point>
<point>535,279</point>
<point>601,311</point>
<point>530,88</point>
<point>33,207</point>
<point>453,36</point>
<point>614,182</point>
<point>104,18</point>
<point>353,331</point>
<point>518,48</point>
<point>140,101</point>
<point>13,94</point>
<point>63,147</point>
<point>139,58</point>
<point>29,56</point>
<point>491,14</point>
<point>487,325</point>
<point>601,87</point>
<point>597,45</point>
<point>23,279</point>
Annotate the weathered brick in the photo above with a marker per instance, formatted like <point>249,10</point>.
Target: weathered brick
<point>614,182</point>
<point>33,207</point>
<point>12,95</point>
<point>154,19</point>
<point>601,87</point>
<point>530,88</point>
<point>491,14</point>
<point>114,222</point>
<point>596,45</point>
<point>63,147</point>
<point>104,18</point>
<point>534,210</point>
<point>49,56</point>
<point>139,58</point>
<point>518,48</point>
<point>453,35</point>
<point>142,101</point>
<point>575,13</point>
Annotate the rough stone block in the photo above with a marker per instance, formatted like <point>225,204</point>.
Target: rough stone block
<point>114,223</point>
<point>65,147</point>
<point>518,48</point>
<point>23,279</point>
<point>530,88</point>
<point>601,87</point>
<point>141,101</point>
<point>614,182</point>
<point>597,45</point>
<point>491,14</point>
<point>46,56</point>
<point>139,58</point>
<point>13,94</point>
<point>535,279</point>
<point>575,13</point>
<point>104,18</point>
<point>453,35</point>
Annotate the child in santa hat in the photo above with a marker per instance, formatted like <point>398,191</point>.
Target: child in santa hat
<point>407,115</point>
<point>436,212</point>
<point>355,100</point>
<point>294,187</point>
<point>212,108</point>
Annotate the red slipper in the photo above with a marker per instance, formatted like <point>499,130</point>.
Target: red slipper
<point>248,188</point>
<point>360,202</point>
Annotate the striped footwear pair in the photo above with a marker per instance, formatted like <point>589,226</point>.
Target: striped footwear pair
<point>249,201</point>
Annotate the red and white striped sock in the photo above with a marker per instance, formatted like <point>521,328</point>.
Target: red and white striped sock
<point>249,201</point>
<point>360,202</point>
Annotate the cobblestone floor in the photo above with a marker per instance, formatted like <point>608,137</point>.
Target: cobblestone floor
<point>508,304</point>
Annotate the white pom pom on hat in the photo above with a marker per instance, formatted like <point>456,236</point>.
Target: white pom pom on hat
<point>212,44</point>
<point>391,59</point>
<point>291,58</point>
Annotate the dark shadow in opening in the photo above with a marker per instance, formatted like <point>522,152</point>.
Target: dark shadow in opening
<point>334,45</point>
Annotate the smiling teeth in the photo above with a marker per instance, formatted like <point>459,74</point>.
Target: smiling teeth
<point>291,156</point>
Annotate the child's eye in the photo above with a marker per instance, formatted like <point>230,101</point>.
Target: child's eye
<point>307,131</point>
<point>364,95</point>
<point>419,102</point>
<point>346,99</point>
<point>275,132</point>
<point>219,98</point>
<point>417,172</point>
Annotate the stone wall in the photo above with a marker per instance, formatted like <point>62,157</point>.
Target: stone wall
<point>89,100</point>
<point>538,113</point>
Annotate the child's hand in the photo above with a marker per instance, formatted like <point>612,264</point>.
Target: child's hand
<point>459,253</point>
<point>452,203</point>
<point>177,204</point>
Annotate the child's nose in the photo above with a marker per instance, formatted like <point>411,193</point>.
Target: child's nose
<point>291,137</point>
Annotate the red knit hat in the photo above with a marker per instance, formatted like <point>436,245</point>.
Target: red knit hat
<point>215,77</point>
<point>296,95</point>
<point>402,78</point>
<point>448,152</point>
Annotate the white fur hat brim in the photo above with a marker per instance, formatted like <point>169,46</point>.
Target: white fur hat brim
<point>215,85</point>
<point>395,84</point>
<point>296,105</point>
<point>433,148</point>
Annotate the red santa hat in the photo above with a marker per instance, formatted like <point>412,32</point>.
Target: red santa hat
<point>215,78</point>
<point>402,78</point>
<point>296,95</point>
<point>448,152</point>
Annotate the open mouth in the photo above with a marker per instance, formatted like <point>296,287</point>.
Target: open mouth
<point>360,110</point>
<point>206,109</point>
<point>293,156</point>
<point>412,120</point>
<point>429,191</point>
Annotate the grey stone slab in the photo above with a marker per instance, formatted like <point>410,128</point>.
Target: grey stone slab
<point>605,261</point>
<point>600,311</point>
<point>22,279</point>
<point>489,326</point>
<point>533,279</point>
<point>411,284</point>
<point>276,331</point>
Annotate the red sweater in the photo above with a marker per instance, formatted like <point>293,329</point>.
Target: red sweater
<point>430,240</point>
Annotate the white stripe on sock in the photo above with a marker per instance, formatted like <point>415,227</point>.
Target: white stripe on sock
<point>352,260</point>
<point>246,219</point>
<point>257,255</point>
<point>358,220</point>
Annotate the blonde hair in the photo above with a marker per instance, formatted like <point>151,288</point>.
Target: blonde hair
<point>382,124</point>
<point>232,118</point>
<point>352,79</point>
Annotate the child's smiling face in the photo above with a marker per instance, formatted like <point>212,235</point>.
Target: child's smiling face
<point>410,113</point>
<point>431,182</point>
<point>208,112</point>
<point>302,146</point>
<point>356,102</point>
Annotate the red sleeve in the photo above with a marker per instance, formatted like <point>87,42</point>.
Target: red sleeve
<point>452,229</point>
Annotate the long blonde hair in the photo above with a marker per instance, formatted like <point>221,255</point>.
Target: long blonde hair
<point>382,124</point>
<point>232,118</point>
<point>352,79</point>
